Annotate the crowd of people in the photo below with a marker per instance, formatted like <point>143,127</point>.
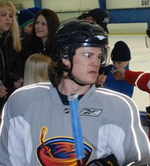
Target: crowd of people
<point>49,61</point>
<point>25,32</point>
<point>10,46</point>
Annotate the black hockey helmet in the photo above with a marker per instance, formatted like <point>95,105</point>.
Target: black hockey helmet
<point>75,33</point>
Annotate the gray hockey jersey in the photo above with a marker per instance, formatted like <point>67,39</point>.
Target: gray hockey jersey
<point>36,128</point>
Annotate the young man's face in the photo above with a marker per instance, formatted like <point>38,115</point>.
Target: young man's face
<point>120,64</point>
<point>86,64</point>
<point>28,28</point>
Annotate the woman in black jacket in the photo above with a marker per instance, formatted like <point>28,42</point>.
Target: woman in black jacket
<point>41,40</point>
<point>11,69</point>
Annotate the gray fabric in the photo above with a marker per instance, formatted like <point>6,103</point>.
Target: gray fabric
<point>106,119</point>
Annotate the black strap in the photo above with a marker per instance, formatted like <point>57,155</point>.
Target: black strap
<point>106,161</point>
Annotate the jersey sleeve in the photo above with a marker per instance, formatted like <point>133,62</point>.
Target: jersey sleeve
<point>139,79</point>
<point>139,139</point>
<point>136,146</point>
<point>11,139</point>
<point>124,137</point>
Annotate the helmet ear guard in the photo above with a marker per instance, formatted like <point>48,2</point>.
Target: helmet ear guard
<point>67,52</point>
<point>105,60</point>
<point>105,57</point>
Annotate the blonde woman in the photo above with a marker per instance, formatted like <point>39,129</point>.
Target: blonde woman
<point>36,68</point>
<point>10,46</point>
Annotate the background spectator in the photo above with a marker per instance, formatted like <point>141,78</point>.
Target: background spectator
<point>25,19</point>
<point>83,16</point>
<point>120,57</point>
<point>35,9</point>
<point>41,39</point>
<point>36,69</point>
<point>139,79</point>
<point>45,26</point>
<point>11,70</point>
<point>98,16</point>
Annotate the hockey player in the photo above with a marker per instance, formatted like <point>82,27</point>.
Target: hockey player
<point>36,127</point>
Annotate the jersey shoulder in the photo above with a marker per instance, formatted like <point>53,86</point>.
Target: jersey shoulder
<point>114,97</point>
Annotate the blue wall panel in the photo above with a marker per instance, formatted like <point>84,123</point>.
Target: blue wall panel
<point>102,4</point>
<point>137,15</point>
<point>37,3</point>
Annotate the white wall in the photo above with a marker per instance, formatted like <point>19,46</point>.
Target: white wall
<point>62,5</point>
<point>65,8</point>
<point>24,3</point>
<point>73,8</point>
<point>70,5</point>
<point>81,5</point>
<point>70,8</point>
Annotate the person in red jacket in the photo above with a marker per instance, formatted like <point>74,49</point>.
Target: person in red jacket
<point>139,79</point>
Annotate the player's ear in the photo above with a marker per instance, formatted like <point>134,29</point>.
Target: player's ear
<point>66,62</point>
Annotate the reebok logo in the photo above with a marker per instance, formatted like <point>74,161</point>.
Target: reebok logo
<point>90,112</point>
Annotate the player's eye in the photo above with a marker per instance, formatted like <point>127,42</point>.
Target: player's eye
<point>87,55</point>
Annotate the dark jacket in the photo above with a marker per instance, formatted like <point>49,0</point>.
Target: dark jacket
<point>11,68</point>
<point>30,46</point>
<point>120,86</point>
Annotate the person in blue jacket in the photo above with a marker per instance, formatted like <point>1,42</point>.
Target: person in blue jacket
<point>120,57</point>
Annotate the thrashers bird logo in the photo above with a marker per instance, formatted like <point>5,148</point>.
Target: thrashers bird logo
<point>59,151</point>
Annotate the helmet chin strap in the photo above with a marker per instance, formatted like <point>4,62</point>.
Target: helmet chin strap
<point>73,79</point>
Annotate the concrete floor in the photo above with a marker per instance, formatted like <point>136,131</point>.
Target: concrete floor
<point>140,62</point>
